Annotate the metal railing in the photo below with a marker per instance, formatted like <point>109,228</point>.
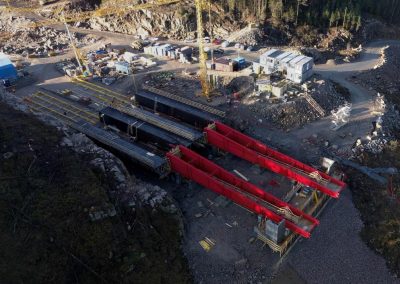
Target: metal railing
<point>154,120</point>
<point>186,101</point>
<point>314,104</point>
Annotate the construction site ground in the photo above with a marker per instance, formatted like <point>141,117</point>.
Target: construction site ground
<point>335,252</point>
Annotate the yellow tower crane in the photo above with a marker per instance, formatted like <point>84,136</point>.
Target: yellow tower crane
<point>77,53</point>
<point>205,86</point>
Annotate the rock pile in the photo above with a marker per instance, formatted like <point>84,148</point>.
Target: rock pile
<point>174,83</point>
<point>375,146</point>
<point>297,111</point>
<point>387,130</point>
<point>391,121</point>
<point>127,190</point>
<point>285,115</point>
<point>247,36</point>
<point>326,95</point>
<point>385,78</point>
<point>38,41</point>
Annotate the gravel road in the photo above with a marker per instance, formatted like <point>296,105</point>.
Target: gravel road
<point>339,255</point>
<point>335,253</point>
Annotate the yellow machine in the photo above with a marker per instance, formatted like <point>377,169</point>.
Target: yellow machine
<point>200,4</point>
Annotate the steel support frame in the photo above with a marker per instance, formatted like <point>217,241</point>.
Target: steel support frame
<point>232,141</point>
<point>197,168</point>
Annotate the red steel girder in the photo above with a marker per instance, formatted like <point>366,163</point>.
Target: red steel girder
<point>232,141</point>
<point>197,168</point>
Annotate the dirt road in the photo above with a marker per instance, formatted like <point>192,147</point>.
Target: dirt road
<point>361,118</point>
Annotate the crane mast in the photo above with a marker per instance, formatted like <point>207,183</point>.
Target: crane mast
<point>202,55</point>
<point>74,48</point>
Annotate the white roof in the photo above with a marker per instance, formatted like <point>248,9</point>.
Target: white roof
<point>4,60</point>
<point>127,53</point>
<point>269,52</point>
<point>305,60</point>
<point>288,58</point>
<point>297,59</point>
<point>283,55</point>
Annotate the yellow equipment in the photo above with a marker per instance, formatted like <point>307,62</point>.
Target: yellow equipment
<point>78,56</point>
<point>200,4</point>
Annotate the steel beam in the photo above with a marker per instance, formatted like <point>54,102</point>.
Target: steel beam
<point>232,141</point>
<point>194,167</point>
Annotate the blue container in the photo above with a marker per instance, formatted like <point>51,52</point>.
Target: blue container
<point>7,69</point>
<point>240,61</point>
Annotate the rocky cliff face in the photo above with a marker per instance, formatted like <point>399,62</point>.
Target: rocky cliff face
<point>71,210</point>
<point>171,21</point>
<point>144,23</point>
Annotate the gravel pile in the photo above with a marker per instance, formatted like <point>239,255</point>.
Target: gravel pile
<point>174,83</point>
<point>297,111</point>
<point>9,23</point>
<point>374,146</point>
<point>241,85</point>
<point>385,78</point>
<point>390,127</point>
<point>247,36</point>
<point>391,121</point>
<point>286,115</point>
<point>324,93</point>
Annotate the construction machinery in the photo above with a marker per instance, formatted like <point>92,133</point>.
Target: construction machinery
<point>77,53</point>
<point>111,9</point>
<point>200,4</point>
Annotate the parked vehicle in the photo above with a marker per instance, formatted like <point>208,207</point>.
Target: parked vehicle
<point>250,48</point>
<point>225,44</point>
<point>217,41</point>
<point>218,51</point>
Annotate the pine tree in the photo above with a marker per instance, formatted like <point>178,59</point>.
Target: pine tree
<point>332,19</point>
<point>345,18</point>
<point>302,3</point>
<point>358,24</point>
